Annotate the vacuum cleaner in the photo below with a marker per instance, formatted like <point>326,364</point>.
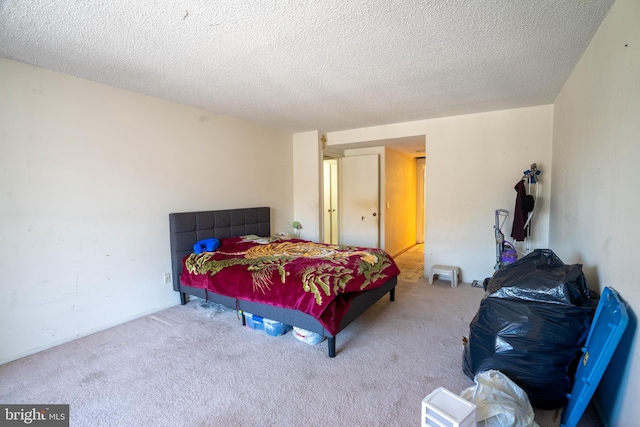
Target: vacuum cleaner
<point>505,251</point>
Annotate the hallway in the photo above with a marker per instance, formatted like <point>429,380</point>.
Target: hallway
<point>411,264</point>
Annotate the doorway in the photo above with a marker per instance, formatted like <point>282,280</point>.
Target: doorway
<point>333,208</point>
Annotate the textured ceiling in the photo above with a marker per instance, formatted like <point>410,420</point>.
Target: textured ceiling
<point>325,65</point>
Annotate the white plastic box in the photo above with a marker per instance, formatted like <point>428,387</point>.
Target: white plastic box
<point>442,408</point>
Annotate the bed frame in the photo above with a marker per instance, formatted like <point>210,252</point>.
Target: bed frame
<point>187,228</point>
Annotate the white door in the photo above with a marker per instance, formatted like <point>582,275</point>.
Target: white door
<point>359,201</point>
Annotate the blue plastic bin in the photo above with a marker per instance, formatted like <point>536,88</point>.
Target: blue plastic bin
<point>270,327</point>
<point>608,325</point>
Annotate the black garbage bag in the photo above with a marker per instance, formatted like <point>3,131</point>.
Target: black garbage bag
<point>531,326</point>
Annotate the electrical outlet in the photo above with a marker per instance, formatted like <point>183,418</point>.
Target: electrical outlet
<point>167,278</point>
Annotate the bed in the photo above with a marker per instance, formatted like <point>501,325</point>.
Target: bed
<point>189,228</point>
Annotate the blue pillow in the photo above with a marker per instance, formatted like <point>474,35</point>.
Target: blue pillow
<point>208,245</point>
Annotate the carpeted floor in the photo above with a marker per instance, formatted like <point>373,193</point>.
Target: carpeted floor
<point>195,365</point>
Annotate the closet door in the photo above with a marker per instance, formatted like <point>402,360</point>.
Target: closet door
<point>360,201</point>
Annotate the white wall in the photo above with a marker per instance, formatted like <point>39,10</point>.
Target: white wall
<point>595,204</point>
<point>307,185</point>
<point>88,176</point>
<point>472,164</point>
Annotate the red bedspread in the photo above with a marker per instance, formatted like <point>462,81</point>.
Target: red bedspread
<point>317,279</point>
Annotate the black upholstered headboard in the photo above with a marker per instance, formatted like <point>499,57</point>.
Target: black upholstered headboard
<point>188,228</point>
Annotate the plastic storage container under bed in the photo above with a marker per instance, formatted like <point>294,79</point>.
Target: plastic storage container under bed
<point>270,327</point>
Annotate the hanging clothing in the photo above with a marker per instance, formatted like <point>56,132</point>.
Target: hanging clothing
<point>518,231</point>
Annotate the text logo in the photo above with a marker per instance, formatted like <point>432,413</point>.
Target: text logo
<point>35,415</point>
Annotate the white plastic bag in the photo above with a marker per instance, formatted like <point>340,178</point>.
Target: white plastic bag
<point>307,336</point>
<point>500,402</point>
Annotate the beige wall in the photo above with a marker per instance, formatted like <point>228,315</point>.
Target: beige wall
<point>472,164</point>
<point>88,176</point>
<point>420,175</point>
<point>399,204</point>
<point>595,204</point>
